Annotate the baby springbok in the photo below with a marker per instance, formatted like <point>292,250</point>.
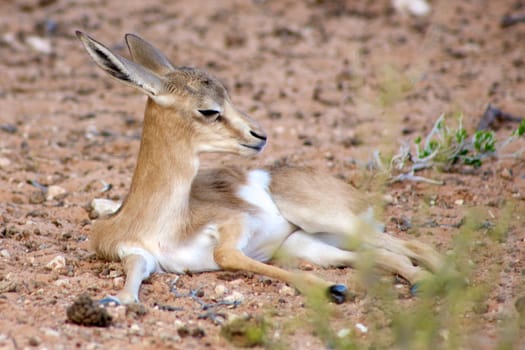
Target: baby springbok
<point>178,218</point>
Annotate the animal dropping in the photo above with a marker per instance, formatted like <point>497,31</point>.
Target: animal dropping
<point>178,218</point>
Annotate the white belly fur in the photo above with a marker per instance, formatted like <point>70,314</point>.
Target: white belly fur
<point>265,230</point>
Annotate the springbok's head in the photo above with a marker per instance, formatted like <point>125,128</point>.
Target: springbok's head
<point>190,93</point>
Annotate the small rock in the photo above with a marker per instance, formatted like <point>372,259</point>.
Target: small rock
<point>235,297</point>
<point>4,163</point>
<point>343,333</point>
<point>54,192</point>
<point>220,290</point>
<point>198,332</point>
<point>361,327</point>
<point>5,253</point>
<point>57,263</point>
<point>459,202</point>
<point>506,174</point>
<point>389,199</point>
<point>39,44</point>
<point>118,282</point>
<point>48,332</point>
<point>37,197</point>
<point>101,207</point>
<point>287,291</point>
<point>117,312</point>
<point>417,8</point>
<point>9,128</point>
<point>62,283</point>
<point>136,310</point>
<point>135,329</point>
<point>34,341</point>
<point>183,331</point>
<point>8,286</point>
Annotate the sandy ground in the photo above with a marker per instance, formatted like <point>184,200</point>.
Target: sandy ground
<point>330,81</point>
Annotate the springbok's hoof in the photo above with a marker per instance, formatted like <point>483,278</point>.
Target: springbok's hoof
<point>415,289</point>
<point>337,293</point>
<point>110,300</point>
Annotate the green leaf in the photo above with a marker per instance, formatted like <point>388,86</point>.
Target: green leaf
<point>475,162</point>
<point>521,128</point>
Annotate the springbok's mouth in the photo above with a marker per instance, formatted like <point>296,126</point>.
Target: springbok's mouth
<point>258,147</point>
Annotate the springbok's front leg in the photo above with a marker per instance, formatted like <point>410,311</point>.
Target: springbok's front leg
<point>138,266</point>
<point>229,257</point>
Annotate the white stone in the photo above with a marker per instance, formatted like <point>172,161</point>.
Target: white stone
<point>62,283</point>
<point>220,290</point>
<point>135,329</point>
<point>459,202</point>
<point>287,291</point>
<point>48,332</point>
<point>343,333</point>
<point>104,207</point>
<point>361,327</point>
<point>118,282</point>
<point>54,191</point>
<point>417,8</point>
<point>39,44</point>
<point>234,297</point>
<point>5,253</point>
<point>57,263</point>
<point>4,162</point>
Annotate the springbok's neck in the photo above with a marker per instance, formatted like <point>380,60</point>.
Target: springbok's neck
<point>166,165</point>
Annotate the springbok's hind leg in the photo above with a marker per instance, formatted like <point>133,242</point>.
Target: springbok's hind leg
<point>138,266</point>
<point>316,203</point>
<point>313,248</point>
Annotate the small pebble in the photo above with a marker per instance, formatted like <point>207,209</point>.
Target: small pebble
<point>418,8</point>
<point>48,332</point>
<point>54,192</point>
<point>62,283</point>
<point>506,174</point>
<point>37,197</point>
<point>118,282</point>
<point>5,253</point>
<point>220,290</point>
<point>343,333</point>
<point>234,297</point>
<point>135,329</point>
<point>34,341</point>
<point>8,285</point>
<point>459,202</point>
<point>57,263</point>
<point>361,327</point>
<point>4,162</point>
<point>287,291</point>
<point>136,310</point>
<point>39,44</point>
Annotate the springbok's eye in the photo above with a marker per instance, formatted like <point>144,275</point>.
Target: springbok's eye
<point>210,113</point>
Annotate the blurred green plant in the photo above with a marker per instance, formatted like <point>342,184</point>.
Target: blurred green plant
<point>445,148</point>
<point>446,312</point>
<point>393,86</point>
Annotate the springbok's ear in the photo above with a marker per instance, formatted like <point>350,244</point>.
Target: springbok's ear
<point>124,70</point>
<point>147,55</point>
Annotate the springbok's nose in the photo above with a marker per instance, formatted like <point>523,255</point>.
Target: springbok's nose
<point>259,135</point>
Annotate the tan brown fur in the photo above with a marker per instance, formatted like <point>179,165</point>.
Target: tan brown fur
<point>175,208</point>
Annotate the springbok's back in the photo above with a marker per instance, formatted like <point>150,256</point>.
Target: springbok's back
<point>177,218</point>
